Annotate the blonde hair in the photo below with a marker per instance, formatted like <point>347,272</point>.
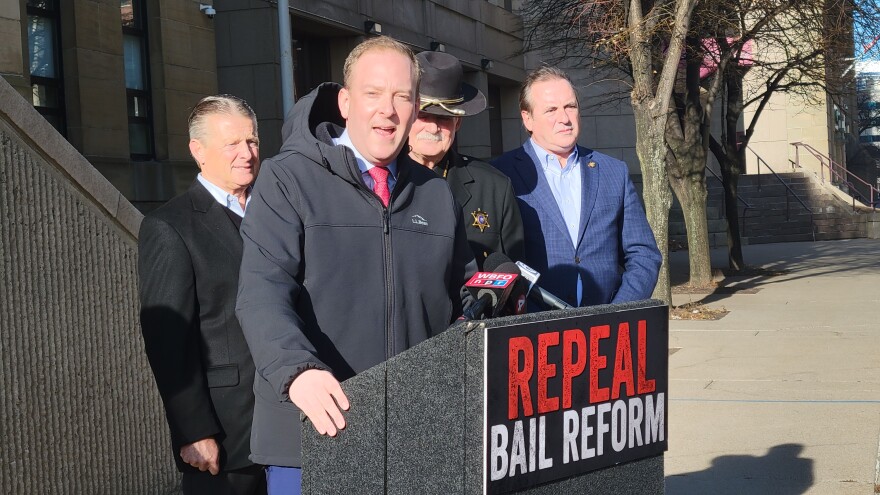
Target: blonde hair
<point>381,43</point>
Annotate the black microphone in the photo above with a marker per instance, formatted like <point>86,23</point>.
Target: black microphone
<point>491,289</point>
<point>516,299</point>
<point>477,310</point>
<point>538,294</point>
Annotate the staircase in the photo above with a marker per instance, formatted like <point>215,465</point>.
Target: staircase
<point>775,215</point>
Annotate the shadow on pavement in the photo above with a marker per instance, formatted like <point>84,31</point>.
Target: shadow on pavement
<point>794,260</point>
<point>779,472</point>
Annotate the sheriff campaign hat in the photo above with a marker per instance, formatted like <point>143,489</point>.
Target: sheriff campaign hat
<point>443,90</point>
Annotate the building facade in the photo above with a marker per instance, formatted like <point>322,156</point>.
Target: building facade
<point>118,78</point>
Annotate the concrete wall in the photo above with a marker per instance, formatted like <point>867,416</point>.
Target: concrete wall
<point>788,119</point>
<point>13,48</point>
<point>80,411</point>
<point>805,116</point>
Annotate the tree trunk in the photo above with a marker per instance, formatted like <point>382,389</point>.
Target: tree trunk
<point>651,149</point>
<point>691,193</point>
<point>732,164</point>
<point>687,133</point>
<point>730,178</point>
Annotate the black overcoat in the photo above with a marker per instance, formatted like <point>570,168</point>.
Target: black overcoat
<point>188,260</point>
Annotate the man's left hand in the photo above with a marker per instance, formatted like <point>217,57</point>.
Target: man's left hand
<point>203,455</point>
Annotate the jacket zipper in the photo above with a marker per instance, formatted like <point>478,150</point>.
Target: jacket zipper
<point>389,283</point>
<point>386,251</point>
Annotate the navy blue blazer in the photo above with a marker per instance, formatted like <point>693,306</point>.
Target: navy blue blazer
<point>615,255</point>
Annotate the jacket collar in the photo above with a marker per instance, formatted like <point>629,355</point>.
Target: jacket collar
<point>459,178</point>
<point>542,193</point>
<point>216,220</point>
<point>202,200</point>
<point>544,196</point>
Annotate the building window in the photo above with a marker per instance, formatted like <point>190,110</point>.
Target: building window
<point>45,61</point>
<point>137,79</point>
<point>311,63</point>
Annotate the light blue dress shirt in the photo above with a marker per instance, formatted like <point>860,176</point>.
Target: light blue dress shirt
<point>364,165</point>
<point>224,198</point>
<point>565,183</point>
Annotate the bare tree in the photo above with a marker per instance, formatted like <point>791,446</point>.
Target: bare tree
<point>812,60</point>
<point>801,42</point>
<point>717,56</point>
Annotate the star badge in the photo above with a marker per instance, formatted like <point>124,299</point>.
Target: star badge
<point>481,219</point>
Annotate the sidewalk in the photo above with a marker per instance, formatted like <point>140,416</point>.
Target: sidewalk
<point>782,395</point>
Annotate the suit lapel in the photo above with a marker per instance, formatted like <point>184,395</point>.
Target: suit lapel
<point>213,216</point>
<point>460,179</point>
<point>589,189</point>
<point>543,195</point>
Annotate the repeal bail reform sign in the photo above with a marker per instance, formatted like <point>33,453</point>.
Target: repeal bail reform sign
<point>572,395</point>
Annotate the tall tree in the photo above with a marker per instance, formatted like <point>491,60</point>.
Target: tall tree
<point>805,52</point>
<point>800,42</point>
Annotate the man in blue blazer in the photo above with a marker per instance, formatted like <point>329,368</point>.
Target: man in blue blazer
<point>585,227</point>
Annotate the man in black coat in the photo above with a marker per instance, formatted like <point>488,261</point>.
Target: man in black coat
<point>484,194</point>
<point>188,261</point>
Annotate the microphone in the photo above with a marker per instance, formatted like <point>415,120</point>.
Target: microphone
<point>491,289</point>
<point>538,294</point>
<point>516,301</point>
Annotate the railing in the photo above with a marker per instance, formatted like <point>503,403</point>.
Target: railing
<point>838,175</point>
<point>746,205</point>
<point>789,192</point>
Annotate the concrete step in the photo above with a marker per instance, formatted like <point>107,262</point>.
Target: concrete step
<point>775,214</point>
<point>779,238</point>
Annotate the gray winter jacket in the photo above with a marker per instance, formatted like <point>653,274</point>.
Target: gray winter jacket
<point>330,278</point>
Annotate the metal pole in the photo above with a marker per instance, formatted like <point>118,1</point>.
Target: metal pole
<point>284,42</point>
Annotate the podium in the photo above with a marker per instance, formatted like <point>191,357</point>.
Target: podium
<point>569,401</point>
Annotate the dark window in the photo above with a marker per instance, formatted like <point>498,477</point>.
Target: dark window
<point>311,63</point>
<point>45,61</point>
<point>137,79</point>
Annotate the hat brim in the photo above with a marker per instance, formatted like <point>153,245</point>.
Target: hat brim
<point>474,103</point>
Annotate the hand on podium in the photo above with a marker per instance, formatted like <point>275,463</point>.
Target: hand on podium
<point>319,396</point>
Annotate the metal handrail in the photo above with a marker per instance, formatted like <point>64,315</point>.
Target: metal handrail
<point>742,229</point>
<point>834,173</point>
<point>788,190</point>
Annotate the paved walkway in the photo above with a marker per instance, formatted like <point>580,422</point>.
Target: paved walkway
<point>782,395</point>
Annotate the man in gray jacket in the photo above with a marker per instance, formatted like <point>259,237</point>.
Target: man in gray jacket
<point>352,252</point>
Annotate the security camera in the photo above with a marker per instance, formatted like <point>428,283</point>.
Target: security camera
<point>208,10</point>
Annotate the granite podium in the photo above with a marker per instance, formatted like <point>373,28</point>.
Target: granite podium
<point>567,401</point>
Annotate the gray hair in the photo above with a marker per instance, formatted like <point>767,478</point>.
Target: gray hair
<point>222,104</point>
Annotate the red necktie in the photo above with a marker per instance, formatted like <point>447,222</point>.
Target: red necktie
<point>380,183</point>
